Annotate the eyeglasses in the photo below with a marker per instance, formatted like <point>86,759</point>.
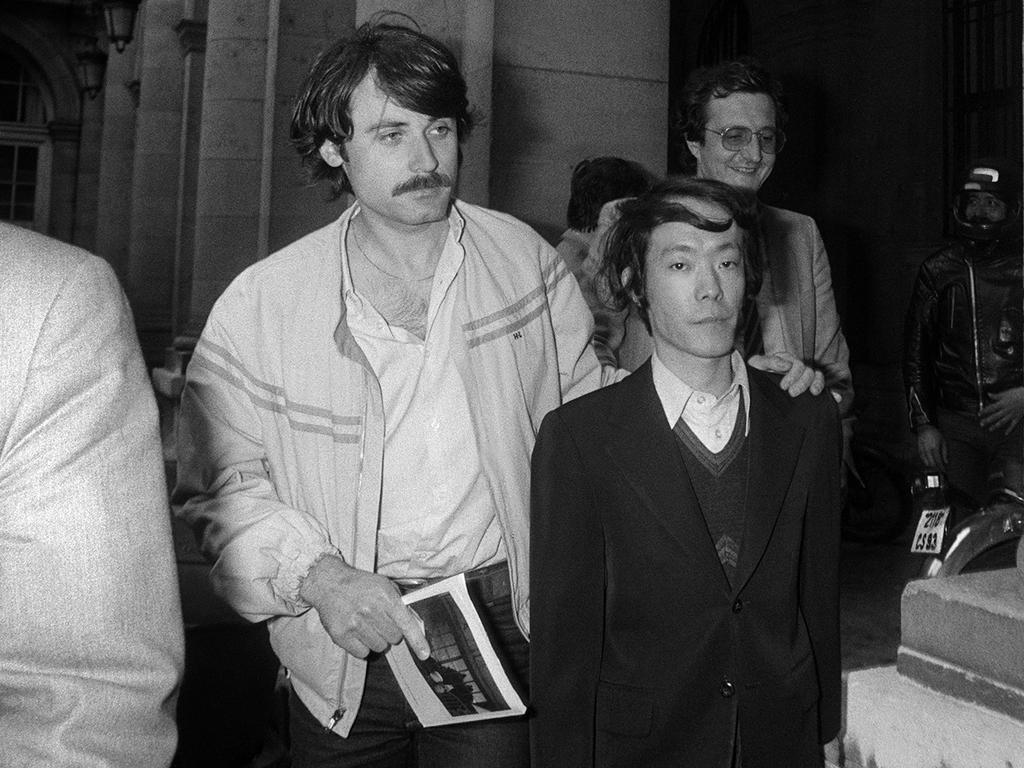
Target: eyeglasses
<point>739,136</point>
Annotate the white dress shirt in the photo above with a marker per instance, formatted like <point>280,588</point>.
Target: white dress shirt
<point>710,418</point>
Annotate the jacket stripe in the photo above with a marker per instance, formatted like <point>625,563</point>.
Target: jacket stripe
<point>555,267</point>
<point>474,325</point>
<point>507,329</point>
<point>308,410</point>
<point>288,408</point>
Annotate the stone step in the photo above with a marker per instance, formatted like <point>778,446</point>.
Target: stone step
<point>964,636</point>
<point>891,721</point>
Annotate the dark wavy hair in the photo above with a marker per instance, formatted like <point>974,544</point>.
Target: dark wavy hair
<point>629,238</point>
<point>598,180</point>
<point>415,70</point>
<point>744,75</point>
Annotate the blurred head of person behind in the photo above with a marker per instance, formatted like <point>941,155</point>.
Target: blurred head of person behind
<point>598,180</point>
<point>595,182</point>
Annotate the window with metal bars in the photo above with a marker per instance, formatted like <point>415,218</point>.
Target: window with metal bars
<point>22,130</point>
<point>18,167</point>
<point>982,82</point>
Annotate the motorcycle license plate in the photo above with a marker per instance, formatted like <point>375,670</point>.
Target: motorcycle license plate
<point>930,529</point>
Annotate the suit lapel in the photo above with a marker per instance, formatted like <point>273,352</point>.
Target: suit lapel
<point>645,449</point>
<point>774,448</point>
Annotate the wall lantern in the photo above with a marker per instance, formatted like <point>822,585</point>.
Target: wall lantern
<point>120,18</point>
<point>92,64</point>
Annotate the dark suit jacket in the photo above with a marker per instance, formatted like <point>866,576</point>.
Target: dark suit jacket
<point>641,652</point>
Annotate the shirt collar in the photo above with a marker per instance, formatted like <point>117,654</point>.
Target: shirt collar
<point>674,393</point>
<point>456,226</point>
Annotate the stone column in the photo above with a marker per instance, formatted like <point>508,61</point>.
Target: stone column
<point>114,190</point>
<point>467,27</point>
<point>231,150</point>
<point>88,172</point>
<point>64,136</point>
<point>192,38</point>
<point>306,28</point>
<point>155,176</point>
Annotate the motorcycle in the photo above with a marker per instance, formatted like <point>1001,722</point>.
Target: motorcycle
<point>961,537</point>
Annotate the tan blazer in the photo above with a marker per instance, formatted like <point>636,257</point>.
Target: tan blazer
<point>90,625</point>
<point>796,304</point>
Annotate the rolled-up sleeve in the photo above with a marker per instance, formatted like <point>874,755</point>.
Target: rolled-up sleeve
<point>260,546</point>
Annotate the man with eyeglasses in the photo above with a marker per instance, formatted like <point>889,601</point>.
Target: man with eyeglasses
<point>732,121</point>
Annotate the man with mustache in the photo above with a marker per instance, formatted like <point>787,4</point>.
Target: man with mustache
<point>361,407</point>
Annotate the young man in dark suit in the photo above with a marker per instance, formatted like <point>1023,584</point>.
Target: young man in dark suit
<point>685,545</point>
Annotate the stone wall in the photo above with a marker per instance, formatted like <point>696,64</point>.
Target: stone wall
<point>573,79</point>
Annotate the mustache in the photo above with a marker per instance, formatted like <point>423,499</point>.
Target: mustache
<point>712,319</point>
<point>431,180</point>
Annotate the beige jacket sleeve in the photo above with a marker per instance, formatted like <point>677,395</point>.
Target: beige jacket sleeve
<point>91,648</point>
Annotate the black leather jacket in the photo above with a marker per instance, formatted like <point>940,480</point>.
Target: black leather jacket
<point>964,328</point>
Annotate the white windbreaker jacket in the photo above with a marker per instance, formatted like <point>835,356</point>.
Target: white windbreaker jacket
<point>280,442</point>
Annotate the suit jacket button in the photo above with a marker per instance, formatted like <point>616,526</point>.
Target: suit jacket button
<point>737,606</point>
<point>727,689</point>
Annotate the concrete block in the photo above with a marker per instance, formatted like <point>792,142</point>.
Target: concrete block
<point>962,683</point>
<point>964,636</point>
<point>891,721</point>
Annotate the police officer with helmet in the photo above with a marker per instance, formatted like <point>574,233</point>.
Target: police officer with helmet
<point>962,367</point>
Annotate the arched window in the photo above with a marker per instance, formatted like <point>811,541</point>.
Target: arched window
<point>24,145</point>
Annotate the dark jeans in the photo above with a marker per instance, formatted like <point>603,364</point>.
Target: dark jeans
<point>981,461</point>
<point>386,733</point>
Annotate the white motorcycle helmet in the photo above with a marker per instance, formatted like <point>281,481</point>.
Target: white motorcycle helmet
<point>998,177</point>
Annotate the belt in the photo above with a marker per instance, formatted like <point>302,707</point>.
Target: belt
<point>487,583</point>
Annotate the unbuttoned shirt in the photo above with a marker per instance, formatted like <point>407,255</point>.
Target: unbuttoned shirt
<point>437,517</point>
<point>710,418</point>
